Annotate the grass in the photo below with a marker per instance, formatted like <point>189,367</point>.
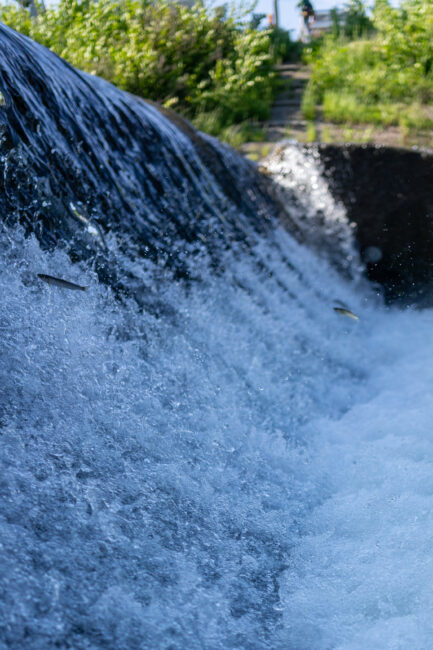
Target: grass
<point>311,133</point>
<point>342,108</point>
<point>326,135</point>
<point>235,135</point>
<point>309,101</point>
<point>384,78</point>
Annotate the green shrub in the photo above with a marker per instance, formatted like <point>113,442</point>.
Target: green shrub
<point>356,23</point>
<point>378,78</point>
<point>195,60</point>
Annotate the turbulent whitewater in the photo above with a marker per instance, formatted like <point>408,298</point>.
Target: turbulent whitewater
<point>197,451</point>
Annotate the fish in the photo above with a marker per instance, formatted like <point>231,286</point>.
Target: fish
<point>346,312</point>
<point>58,282</point>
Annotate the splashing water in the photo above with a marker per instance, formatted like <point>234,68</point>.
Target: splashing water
<point>253,471</point>
<point>219,463</point>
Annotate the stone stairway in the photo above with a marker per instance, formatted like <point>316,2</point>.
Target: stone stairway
<point>285,120</point>
<point>287,105</point>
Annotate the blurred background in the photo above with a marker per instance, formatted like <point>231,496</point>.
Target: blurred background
<point>354,72</point>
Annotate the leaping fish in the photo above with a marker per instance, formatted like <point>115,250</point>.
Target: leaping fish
<point>346,312</point>
<point>58,282</point>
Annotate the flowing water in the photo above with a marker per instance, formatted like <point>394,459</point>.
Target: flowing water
<point>198,452</point>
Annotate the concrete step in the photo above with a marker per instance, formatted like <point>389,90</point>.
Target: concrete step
<point>301,75</point>
<point>285,112</point>
<point>290,93</point>
<point>299,123</point>
<point>299,84</point>
<point>292,67</point>
<point>286,102</point>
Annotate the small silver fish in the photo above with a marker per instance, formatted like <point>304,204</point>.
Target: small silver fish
<point>346,312</point>
<point>58,282</point>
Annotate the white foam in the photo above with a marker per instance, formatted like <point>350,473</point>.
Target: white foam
<point>250,471</point>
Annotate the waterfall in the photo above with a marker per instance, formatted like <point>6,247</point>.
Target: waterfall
<point>197,451</point>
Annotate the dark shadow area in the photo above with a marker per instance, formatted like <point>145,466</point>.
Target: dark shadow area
<point>388,195</point>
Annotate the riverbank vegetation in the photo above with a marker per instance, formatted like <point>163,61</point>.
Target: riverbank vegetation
<point>381,74</point>
<point>206,63</point>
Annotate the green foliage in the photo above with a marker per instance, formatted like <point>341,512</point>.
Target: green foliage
<point>385,78</point>
<point>235,134</point>
<point>335,23</point>
<point>352,22</point>
<point>311,133</point>
<point>345,108</point>
<point>309,101</point>
<point>356,23</point>
<point>284,50</point>
<point>195,60</point>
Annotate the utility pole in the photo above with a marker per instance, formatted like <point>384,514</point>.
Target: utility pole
<point>277,22</point>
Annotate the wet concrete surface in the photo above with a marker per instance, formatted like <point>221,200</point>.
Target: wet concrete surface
<point>387,193</point>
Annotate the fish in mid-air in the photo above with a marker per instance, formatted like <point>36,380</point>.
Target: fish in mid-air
<point>346,312</point>
<point>58,282</point>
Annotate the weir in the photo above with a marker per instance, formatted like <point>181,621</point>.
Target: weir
<point>197,451</point>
